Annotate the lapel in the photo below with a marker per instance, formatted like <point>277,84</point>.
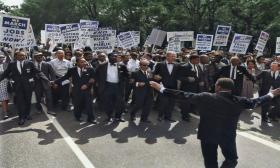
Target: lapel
<point>166,69</point>
<point>77,73</point>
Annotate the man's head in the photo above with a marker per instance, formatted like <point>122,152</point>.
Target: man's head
<point>81,62</point>
<point>101,57</point>
<point>224,84</point>
<point>20,56</point>
<point>260,59</point>
<point>78,53</point>
<point>194,59</point>
<point>144,64</point>
<point>112,58</point>
<point>60,54</point>
<point>204,59</point>
<point>38,57</point>
<point>68,55</point>
<point>134,55</point>
<point>274,66</point>
<point>235,61</point>
<point>170,56</point>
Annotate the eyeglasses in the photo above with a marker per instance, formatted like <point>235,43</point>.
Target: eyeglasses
<point>144,65</point>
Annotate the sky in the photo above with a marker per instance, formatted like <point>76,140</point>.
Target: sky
<point>12,2</point>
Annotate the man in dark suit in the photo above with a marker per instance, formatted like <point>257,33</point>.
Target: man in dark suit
<point>143,92</point>
<point>23,72</point>
<point>236,73</point>
<point>82,80</point>
<point>190,79</point>
<point>269,79</point>
<point>42,88</point>
<point>110,78</point>
<point>219,114</point>
<point>167,73</point>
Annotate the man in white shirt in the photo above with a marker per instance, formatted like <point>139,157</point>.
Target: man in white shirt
<point>61,66</point>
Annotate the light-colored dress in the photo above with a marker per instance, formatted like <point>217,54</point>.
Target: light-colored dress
<point>3,84</point>
<point>248,85</point>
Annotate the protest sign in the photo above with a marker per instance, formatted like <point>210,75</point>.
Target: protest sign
<point>136,37</point>
<point>13,30</point>
<point>181,35</point>
<point>174,44</point>
<point>204,42</point>
<point>52,33</point>
<point>103,40</point>
<point>277,51</point>
<point>156,37</point>
<point>126,40</point>
<point>221,36</point>
<point>240,43</point>
<point>264,36</point>
<point>70,32</point>
<point>30,41</point>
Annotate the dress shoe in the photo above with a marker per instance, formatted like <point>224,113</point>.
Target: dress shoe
<point>28,117</point>
<point>51,113</point>
<point>146,121</point>
<point>266,120</point>
<point>21,122</point>
<point>119,120</point>
<point>6,117</point>
<point>92,121</point>
<point>170,120</point>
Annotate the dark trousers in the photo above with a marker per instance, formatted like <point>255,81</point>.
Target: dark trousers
<point>113,100</point>
<point>61,92</point>
<point>166,106</point>
<point>271,109</point>
<point>143,102</point>
<point>40,91</point>
<point>210,154</point>
<point>23,101</point>
<point>82,101</point>
<point>186,108</point>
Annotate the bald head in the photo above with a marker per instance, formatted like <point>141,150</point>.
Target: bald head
<point>170,56</point>
<point>235,61</point>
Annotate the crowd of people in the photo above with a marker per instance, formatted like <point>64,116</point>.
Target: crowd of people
<point>119,81</point>
<point>215,85</point>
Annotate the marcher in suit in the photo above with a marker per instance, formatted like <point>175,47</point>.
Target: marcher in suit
<point>236,73</point>
<point>110,78</point>
<point>269,79</point>
<point>82,80</point>
<point>42,88</point>
<point>190,80</point>
<point>204,75</point>
<point>143,92</point>
<point>167,73</point>
<point>22,72</point>
<point>219,115</point>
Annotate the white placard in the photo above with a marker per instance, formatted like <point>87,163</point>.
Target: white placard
<point>264,36</point>
<point>126,40</point>
<point>103,40</point>
<point>52,34</point>
<point>174,44</point>
<point>70,33</point>
<point>277,51</point>
<point>157,37</point>
<point>13,30</point>
<point>204,42</point>
<point>240,43</point>
<point>30,41</point>
<point>181,35</point>
<point>221,36</point>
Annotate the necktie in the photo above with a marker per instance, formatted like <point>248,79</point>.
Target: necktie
<point>39,66</point>
<point>195,70</point>
<point>21,66</point>
<point>273,76</point>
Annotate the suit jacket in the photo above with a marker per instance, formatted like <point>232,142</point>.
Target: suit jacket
<point>168,80</point>
<point>47,70</point>
<point>101,76</point>
<point>187,85</point>
<point>78,80</point>
<point>267,82</point>
<point>143,91</point>
<point>26,78</point>
<point>238,82</point>
<point>219,112</point>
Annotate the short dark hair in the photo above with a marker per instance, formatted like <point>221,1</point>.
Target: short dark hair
<point>225,83</point>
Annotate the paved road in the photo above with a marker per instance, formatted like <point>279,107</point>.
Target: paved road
<point>61,142</point>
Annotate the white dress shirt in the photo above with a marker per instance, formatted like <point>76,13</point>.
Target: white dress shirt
<point>195,69</point>
<point>276,74</point>
<point>233,68</point>
<point>1,67</point>
<point>60,67</point>
<point>37,65</point>
<point>112,73</point>
<point>19,67</point>
<point>170,67</point>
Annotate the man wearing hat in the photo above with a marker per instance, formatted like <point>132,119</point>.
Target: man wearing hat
<point>190,79</point>
<point>41,87</point>
<point>260,62</point>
